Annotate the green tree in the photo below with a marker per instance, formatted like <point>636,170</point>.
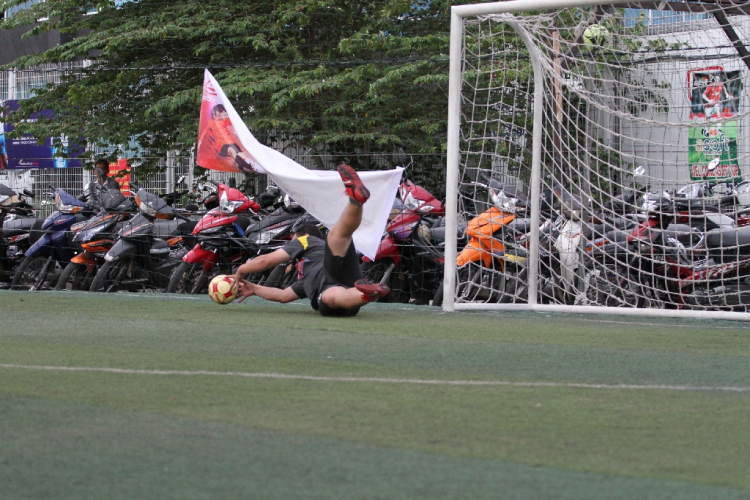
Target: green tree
<point>339,76</point>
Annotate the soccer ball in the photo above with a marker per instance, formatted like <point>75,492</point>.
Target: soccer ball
<point>596,35</point>
<point>222,289</point>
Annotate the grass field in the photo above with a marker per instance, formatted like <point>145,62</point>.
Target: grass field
<point>157,396</point>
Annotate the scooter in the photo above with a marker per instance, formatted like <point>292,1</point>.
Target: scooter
<point>94,240</point>
<point>148,248</point>
<point>18,230</point>
<point>408,260</point>
<point>52,250</point>
<point>482,262</point>
<point>220,234</point>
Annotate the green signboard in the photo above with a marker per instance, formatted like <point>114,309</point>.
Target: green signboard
<point>710,141</point>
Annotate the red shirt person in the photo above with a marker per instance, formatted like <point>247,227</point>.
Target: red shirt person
<point>219,143</point>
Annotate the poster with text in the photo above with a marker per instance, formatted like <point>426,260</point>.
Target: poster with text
<point>25,152</point>
<point>713,141</point>
<point>714,96</point>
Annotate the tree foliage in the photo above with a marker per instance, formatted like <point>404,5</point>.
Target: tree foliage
<point>338,76</point>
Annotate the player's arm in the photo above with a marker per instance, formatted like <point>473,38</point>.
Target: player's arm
<point>265,292</point>
<point>262,263</point>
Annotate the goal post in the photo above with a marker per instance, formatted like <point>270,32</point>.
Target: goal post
<point>597,158</point>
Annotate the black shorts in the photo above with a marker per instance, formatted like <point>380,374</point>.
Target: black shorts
<point>339,271</point>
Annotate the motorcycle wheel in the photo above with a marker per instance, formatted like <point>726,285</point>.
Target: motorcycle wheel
<point>610,286</point>
<point>28,273</point>
<point>185,278</point>
<point>201,283</point>
<point>516,290</point>
<point>374,271</point>
<point>77,276</point>
<point>437,300</point>
<point>109,276</point>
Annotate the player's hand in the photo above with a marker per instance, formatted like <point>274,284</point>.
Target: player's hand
<point>246,289</point>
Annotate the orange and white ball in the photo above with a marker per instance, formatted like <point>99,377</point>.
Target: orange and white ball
<point>222,289</point>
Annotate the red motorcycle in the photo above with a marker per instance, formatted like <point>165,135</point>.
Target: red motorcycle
<point>221,242</point>
<point>410,257</point>
<point>679,257</point>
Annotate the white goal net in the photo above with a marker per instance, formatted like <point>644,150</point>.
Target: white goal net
<point>598,157</point>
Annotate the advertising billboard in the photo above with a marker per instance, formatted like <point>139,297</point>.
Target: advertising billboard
<point>714,96</point>
<point>24,152</point>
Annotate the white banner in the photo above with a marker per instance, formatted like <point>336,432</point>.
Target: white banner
<point>320,192</point>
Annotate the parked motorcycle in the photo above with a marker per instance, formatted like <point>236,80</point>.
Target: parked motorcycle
<point>19,229</point>
<point>94,239</point>
<point>221,243</point>
<point>148,248</point>
<point>44,260</point>
<point>409,259</point>
<point>482,262</point>
<point>663,263</point>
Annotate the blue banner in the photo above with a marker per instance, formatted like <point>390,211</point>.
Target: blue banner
<point>23,152</point>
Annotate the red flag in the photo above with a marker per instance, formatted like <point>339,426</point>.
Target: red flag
<point>219,147</point>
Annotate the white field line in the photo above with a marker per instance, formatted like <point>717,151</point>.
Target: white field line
<point>378,380</point>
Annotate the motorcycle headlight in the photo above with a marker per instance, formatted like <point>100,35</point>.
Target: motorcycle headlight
<point>66,209</point>
<point>412,203</point>
<point>227,206</point>
<point>143,207</point>
<point>290,203</point>
<point>503,202</point>
<point>263,237</point>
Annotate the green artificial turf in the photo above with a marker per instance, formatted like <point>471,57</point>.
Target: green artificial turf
<point>123,435</point>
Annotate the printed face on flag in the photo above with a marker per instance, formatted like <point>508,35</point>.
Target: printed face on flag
<point>219,147</point>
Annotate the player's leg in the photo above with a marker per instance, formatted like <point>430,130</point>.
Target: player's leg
<point>340,236</point>
<point>341,262</point>
<point>339,297</point>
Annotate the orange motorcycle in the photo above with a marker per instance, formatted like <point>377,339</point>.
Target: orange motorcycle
<point>482,263</point>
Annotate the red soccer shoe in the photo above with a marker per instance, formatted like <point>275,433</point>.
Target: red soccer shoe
<point>371,291</point>
<point>355,190</point>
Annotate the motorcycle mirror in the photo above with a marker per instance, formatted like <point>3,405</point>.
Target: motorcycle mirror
<point>401,156</point>
<point>639,171</point>
<point>179,181</point>
<point>713,164</point>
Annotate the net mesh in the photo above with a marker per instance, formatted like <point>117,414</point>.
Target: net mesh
<point>643,200</point>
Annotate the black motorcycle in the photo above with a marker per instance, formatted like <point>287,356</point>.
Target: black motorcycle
<point>148,248</point>
<point>19,229</point>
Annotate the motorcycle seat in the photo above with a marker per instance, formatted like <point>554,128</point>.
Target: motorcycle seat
<point>519,225</point>
<point>22,225</point>
<point>682,233</point>
<point>437,234</point>
<point>728,238</point>
<point>185,227</point>
<point>164,228</point>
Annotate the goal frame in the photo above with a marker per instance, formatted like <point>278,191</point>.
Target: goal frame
<point>458,13</point>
